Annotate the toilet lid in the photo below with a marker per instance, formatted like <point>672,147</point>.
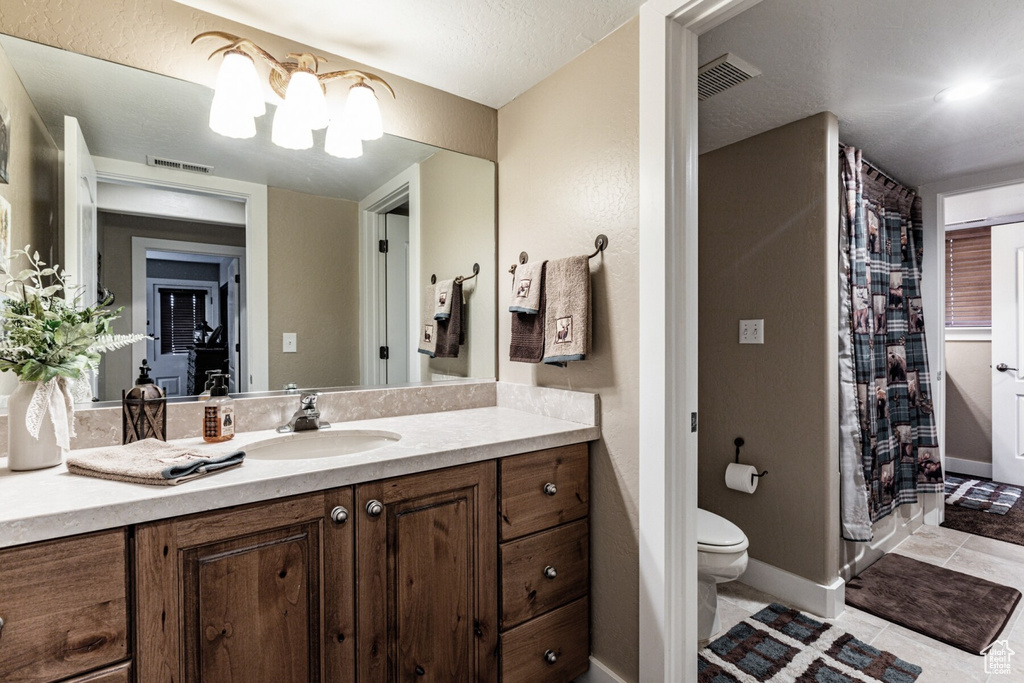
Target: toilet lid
<point>717,534</point>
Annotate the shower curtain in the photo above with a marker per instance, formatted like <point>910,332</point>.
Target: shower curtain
<point>888,441</point>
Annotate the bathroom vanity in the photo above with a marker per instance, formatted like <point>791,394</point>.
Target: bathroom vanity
<point>470,564</point>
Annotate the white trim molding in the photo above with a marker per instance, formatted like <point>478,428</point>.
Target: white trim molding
<point>599,673</point>
<point>827,601</point>
<point>972,468</point>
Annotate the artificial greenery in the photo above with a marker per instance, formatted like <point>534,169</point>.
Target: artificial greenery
<point>44,334</point>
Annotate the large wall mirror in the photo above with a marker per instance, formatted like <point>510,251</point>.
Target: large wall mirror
<point>281,267</point>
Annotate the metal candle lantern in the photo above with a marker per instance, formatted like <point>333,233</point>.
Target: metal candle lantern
<point>143,410</point>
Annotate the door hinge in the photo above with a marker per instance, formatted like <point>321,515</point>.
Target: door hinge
<point>693,422</point>
<point>238,278</point>
<point>238,348</point>
<point>382,246</point>
<point>384,353</point>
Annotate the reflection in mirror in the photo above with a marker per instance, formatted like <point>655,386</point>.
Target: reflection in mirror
<point>275,266</point>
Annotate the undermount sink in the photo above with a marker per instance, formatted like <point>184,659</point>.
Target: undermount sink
<point>319,444</point>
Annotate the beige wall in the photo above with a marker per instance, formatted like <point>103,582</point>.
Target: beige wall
<point>768,250</point>
<point>155,35</point>
<point>568,159</point>
<point>34,171</point>
<point>969,400</point>
<point>314,289</point>
<point>457,213</point>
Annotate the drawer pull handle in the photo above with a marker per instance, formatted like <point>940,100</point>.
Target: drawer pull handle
<point>550,489</point>
<point>374,508</point>
<point>550,572</point>
<point>550,657</point>
<point>339,515</point>
<point>1,626</point>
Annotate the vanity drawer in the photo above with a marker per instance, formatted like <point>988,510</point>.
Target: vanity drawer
<point>122,673</point>
<point>562,635</point>
<point>527,590</point>
<point>543,489</point>
<point>64,607</point>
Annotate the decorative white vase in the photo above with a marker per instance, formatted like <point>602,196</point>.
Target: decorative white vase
<point>23,451</point>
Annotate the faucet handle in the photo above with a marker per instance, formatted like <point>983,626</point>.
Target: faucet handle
<point>308,399</point>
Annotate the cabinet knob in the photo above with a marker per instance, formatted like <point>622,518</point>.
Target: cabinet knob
<point>374,508</point>
<point>550,657</point>
<point>550,489</point>
<point>1,626</point>
<point>339,515</point>
<point>550,572</point>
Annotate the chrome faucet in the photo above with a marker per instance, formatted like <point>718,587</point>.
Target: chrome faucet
<point>307,417</point>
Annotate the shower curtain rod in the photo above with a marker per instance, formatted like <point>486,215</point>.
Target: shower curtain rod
<point>878,170</point>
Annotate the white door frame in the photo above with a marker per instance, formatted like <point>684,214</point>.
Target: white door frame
<point>255,289</point>
<point>140,245</point>
<point>389,196</point>
<point>153,286</point>
<point>668,320</point>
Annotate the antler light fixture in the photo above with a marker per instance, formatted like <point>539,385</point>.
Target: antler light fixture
<point>238,99</point>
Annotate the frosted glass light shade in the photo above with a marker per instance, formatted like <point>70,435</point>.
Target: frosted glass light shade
<point>342,140</point>
<point>239,84</point>
<point>289,130</point>
<point>305,98</point>
<point>230,120</point>
<point>363,113</point>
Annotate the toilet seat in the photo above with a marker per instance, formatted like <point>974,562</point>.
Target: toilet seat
<point>716,534</point>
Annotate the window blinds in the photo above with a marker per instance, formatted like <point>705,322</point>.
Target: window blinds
<point>969,277</point>
<point>180,311</point>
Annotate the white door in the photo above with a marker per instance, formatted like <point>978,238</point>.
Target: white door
<point>1008,353</point>
<point>397,339</point>
<point>80,243</point>
<point>170,364</point>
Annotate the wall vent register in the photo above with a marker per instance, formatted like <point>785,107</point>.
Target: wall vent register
<point>161,162</point>
<point>723,73</point>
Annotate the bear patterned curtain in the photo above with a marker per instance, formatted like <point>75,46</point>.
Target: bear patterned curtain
<point>889,445</point>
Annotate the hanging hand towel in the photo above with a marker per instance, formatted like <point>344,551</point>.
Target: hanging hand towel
<point>449,332</point>
<point>526,288</point>
<point>567,314</point>
<point>428,326</point>
<point>443,296</point>
<point>153,462</point>
<point>528,329</point>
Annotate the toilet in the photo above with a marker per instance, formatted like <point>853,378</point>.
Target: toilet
<point>721,557</point>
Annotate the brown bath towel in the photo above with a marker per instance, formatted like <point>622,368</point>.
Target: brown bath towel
<point>450,333</point>
<point>154,462</point>
<point>528,329</point>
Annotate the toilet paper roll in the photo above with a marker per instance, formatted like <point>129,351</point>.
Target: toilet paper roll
<point>740,477</point>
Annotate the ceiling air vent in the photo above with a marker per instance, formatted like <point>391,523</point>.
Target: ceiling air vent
<point>723,73</point>
<point>160,162</point>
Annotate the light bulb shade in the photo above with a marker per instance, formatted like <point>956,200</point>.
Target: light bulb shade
<point>228,119</point>
<point>342,140</point>
<point>290,131</point>
<point>363,113</point>
<point>239,84</point>
<point>305,98</point>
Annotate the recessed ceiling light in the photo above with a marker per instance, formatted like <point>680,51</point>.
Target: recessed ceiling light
<point>963,91</point>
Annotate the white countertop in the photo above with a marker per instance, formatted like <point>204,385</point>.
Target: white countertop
<point>52,503</point>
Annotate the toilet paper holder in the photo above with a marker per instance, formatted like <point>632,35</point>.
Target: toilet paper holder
<point>739,443</point>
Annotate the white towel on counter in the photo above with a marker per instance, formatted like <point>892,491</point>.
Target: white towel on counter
<point>428,327</point>
<point>526,288</point>
<point>567,314</point>
<point>443,299</point>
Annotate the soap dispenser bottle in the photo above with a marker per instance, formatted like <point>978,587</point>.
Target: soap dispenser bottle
<point>210,374</point>
<point>219,413</point>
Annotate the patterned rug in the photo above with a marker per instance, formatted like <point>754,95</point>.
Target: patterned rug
<point>782,644</point>
<point>977,494</point>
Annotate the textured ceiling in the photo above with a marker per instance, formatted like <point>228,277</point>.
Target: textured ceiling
<point>878,64</point>
<point>487,51</point>
<point>152,114</point>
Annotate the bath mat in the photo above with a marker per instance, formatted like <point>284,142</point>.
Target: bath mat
<point>979,494</point>
<point>1008,527</point>
<point>779,641</point>
<point>956,608</point>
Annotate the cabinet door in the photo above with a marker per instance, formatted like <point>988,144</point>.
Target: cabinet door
<point>427,577</point>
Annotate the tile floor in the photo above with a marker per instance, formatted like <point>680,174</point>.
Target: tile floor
<point>984,557</point>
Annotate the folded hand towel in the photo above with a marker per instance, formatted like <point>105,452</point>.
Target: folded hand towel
<point>526,288</point>
<point>450,332</point>
<point>428,327</point>
<point>443,299</point>
<point>152,462</point>
<point>528,329</point>
<point>567,317</point>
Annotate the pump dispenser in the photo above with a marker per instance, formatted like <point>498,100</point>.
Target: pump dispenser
<point>219,413</point>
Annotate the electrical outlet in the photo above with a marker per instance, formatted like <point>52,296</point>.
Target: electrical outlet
<point>290,342</point>
<point>752,332</point>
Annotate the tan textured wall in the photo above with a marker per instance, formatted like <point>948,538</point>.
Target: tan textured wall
<point>768,250</point>
<point>314,289</point>
<point>457,212</point>
<point>155,35</point>
<point>568,158</point>
<point>969,400</point>
<point>34,172</point>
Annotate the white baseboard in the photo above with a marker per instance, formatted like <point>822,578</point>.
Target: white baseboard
<point>820,600</point>
<point>971,468</point>
<point>599,673</point>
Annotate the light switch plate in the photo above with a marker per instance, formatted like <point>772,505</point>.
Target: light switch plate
<point>752,331</point>
<point>290,342</point>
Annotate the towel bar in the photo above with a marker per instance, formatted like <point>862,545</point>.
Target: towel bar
<point>600,244</point>
<point>461,278</point>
